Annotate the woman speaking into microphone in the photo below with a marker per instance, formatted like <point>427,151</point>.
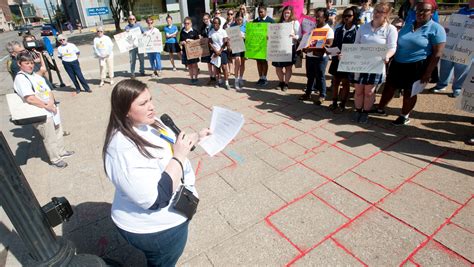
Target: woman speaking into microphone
<point>147,163</point>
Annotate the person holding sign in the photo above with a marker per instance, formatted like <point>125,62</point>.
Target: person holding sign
<point>147,164</point>
<point>316,59</point>
<point>262,64</point>
<point>288,16</point>
<point>132,23</point>
<point>420,46</point>
<point>171,44</point>
<point>204,33</point>
<point>188,34</point>
<point>378,31</point>
<point>345,34</point>
<point>218,42</point>
<point>104,50</point>
<point>155,57</point>
<point>460,70</point>
<point>239,58</point>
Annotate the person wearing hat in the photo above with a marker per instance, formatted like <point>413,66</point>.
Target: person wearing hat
<point>419,48</point>
<point>104,50</point>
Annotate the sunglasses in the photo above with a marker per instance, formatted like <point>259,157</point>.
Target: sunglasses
<point>347,16</point>
<point>230,14</point>
<point>426,10</point>
<point>131,19</point>
<point>62,40</point>
<point>100,31</point>
<point>187,23</point>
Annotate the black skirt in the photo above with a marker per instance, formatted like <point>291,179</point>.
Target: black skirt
<point>287,64</point>
<point>403,75</point>
<point>333,69</point>
<point>174,48</point>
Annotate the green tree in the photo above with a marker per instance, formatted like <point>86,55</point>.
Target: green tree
<point>119,6</point>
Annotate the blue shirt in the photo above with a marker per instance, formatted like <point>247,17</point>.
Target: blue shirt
<point>133,26</point>
<point>267,19</point>
<point>170,30</point>
<point>417,45</point>
<point>466,11</point>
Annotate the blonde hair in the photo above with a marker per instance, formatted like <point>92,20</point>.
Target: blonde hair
<point>387,7</point>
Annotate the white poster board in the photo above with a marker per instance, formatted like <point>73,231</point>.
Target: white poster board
<point>459,39</point>
<point>279,44</point>
<point>128,40</point>
<point>466,99</point>
<point>235,38</point>
<point>307,25</point>
<point>150,42</point>
<point>362,58</point>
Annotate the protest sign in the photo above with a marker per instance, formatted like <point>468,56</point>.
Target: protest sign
<point>150,42</point>
<point>197,48</point>
<point>314,39</point>
<point>466,100</point>
<point>256,40</point>
<point>279,45</point>
<point>363,58</point>
<point>235,38</point>
<point>459,46</point>
<point>307,24</point>
<point>128,40</point>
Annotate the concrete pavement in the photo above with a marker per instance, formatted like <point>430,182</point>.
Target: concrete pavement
<point>299,185</point>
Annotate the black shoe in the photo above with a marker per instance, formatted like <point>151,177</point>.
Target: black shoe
<point>285,87</point>
<point>260,82</point>
<point>401,121</point>
<point>378,111</point>
<point>333,106</point>
<point>280,86</point>
<point>356,116</point>
<point>305,97</point>
<point>364,118</point>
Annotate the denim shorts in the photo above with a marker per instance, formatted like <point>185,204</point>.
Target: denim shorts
<point>161,248</point>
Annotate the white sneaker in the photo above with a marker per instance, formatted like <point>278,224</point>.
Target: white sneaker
<point>111,82</point>
<point>101,83</point>
<point>237,85</point>
<point>241,83</point>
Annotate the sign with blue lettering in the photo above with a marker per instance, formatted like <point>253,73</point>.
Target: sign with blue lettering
<point>97,11</point>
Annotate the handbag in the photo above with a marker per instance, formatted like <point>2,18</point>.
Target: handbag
<point>185,201</point>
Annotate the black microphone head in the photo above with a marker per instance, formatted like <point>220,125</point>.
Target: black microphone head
<point>166,120</point>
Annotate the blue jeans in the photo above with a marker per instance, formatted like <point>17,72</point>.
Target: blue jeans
<point>445,72</point>
<point>316,73</point>
<point>155,61</point>
<point>161,248</point>
<point>133,60</point>
<point>73,69</point>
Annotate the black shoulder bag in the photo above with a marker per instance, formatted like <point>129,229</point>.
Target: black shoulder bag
<point>185,201</point>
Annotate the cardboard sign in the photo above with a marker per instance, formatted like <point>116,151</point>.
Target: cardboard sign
<point>466,100</point>
<point>459,46</point>
<point>235,39</point>
<point>197,48</point>
<point>279,45</point>
<point>150,42</point>
<point>315,39</point>
<point>363,58</point>
<point>256,40</point>
<point>128,40</point>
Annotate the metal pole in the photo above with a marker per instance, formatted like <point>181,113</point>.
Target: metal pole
<point>47,10</point>
<point>29,220</point>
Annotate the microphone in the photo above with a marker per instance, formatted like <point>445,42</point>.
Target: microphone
<point>166,119</point>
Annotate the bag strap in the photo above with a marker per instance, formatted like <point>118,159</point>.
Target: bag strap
<point>32,86</point>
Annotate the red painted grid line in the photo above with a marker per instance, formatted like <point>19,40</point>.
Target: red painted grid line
<point>460,227</point>
<point>372,182</point>
<point>197,168</point>
<point>188,96</point>
<point>423,244</point>
<point>347,251</point>
<point>449,251</point>
<point>282,235</point>
<point>414,262</point>
<point>329,205</point>
<point>436,192</point>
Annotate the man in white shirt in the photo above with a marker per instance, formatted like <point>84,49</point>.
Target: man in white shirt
<point>104,50</point>
<point>35,91</point>
<point>69,53</point>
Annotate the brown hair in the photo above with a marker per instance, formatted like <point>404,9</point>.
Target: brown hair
<point>123,94</point>
<point>292,16</point>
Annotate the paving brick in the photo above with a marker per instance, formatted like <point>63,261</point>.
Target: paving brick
<point>294,182</point>
<point>341,199</point>
<point>244,149</point>
<point>418,152</point>
<point>363,145</point>
<point>246,174</point>
<point>464,163</point>
<point>271,118</point>
<point>378,239</point>
<point>458,240</point>
<point>209,165</point>
<point>293,150</point>
<point>307,141</point>
<point>331,162</point>
<point>306,122</point>
<point>276,159</point>
<point>249,207</point>
<point>327,254</point>
<point>212,189</point>
<point>278,134</point>
<point>362,187</point>
<point>199,238</point>
<point>257,246</point>
<point>345,127</point>
<point>375,169</point>
<point>199,260</point>
<point>415,205</point>
<point>447,180</point>
<point>307,221</point>
<point>465,217</point>
<point>433,254</point>
<point>326,135</point>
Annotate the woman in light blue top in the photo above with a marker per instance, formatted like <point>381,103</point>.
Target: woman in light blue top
<point>171,44</point>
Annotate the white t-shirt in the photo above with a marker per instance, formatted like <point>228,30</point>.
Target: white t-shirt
<point>24,84</point>
<point>103,46</point>
<point>329,36</point>
<point>385,34</point>
<point>217,38</point>
<point>136,178</point>
<point>68,52</point>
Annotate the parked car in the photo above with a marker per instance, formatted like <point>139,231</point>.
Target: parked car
<point>47,30</point>
<point>25,29</point>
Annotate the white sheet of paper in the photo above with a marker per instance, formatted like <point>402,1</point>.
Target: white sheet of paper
<point>417,88</point>
<point>216,61</point>
<point>304,42</point>
<point>333,50</point>
<point>225,125</point>
<point>57,117</point>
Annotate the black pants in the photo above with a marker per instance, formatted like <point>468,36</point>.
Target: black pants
<point>316,72</point>
<point>73,69</point>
